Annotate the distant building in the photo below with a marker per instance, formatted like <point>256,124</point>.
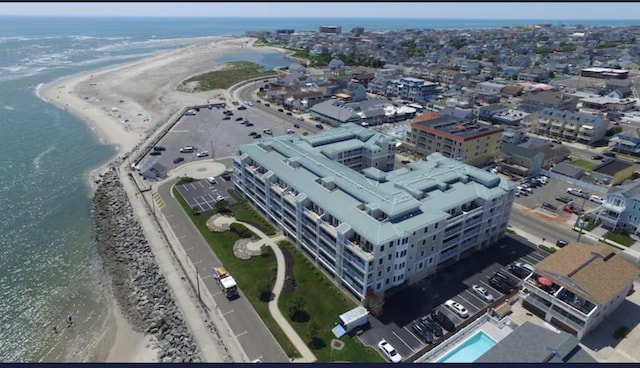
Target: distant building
<point>628,142</point>
<point>605,73</point>
<point>155,171</point>
<point>603,103</point>
<point>357,31</point>
<point>519,160</point>
<point>578,286</point>
<point>534,102</point>
<point>575,127</point>
<point>413,89</point>
<point>330,29</point>
<point>467,141</point>
<point>569,170</point>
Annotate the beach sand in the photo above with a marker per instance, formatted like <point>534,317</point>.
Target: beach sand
<point>124,105</point>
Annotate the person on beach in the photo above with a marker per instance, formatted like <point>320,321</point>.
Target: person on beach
<point>69,320</point>
<point>55,329</point>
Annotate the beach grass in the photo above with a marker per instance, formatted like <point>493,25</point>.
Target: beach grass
<point>324,302</point>
<point>233,72</point>
<point>246,272</point>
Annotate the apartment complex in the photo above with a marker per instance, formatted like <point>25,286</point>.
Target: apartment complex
<point>468,141</point>
<point>575,127</point>
<point>578,286</point>
<point>413,89</point>
<point>370,227</point>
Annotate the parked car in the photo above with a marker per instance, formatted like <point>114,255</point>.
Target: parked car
<point>178,160</point>
<point>389,351</point>
<point>267,131</point>
<point>159,148</point>
<point>219,198</point>
<point>289,113</point>
<point>431,326</point>
<point>297,126</point>
<point>280,110</point>
<point>596,199</point>
<point>257,136</point>
<point>500,285</point>
<point>443,320</point>
<point>300,118</point>
<point>267,105</point>
<point>597,157</point>
<point>202,154</point>
<point>561,243</point>
<point>609,154</point>
<point>484,294</point>
<point>506,279</point>
<point>252,134</point>
<point>248,124</point>
<point>226,118</point>
<point>290,131</point>
<point>457,308</point>
<point>155,153</point>
<point>212,180</point>
<point>226,176</point>
<point>239,118</point>
<point>187,149</point>
<point>577,192</point>
<point>423,333</point>
<point>319,126</point>
<point>564,199</point>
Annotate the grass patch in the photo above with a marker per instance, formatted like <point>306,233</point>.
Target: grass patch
<point>548,249</point>
<point>323,302</point>
<point>622,239</point>
<point>584,164</point>
<point>510,231</point>
<point>591,223</point>
<point>244,212</point>
<point>245,272</point>
<point>233,72</point>
<point>185,180</point>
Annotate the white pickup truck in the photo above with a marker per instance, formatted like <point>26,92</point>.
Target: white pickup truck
<point>578,192</point>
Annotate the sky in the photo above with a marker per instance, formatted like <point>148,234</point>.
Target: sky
<point>452,10</point>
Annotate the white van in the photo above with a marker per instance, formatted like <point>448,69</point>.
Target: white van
<point>187,149</point>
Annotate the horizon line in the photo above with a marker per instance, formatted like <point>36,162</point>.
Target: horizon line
<point>307,17</point>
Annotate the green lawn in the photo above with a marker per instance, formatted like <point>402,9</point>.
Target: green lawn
<point>584,164</point>
<point>245,272</point>
<point>234,72</point>
<point>244,212</point>
<point>622,239</point>
<point>324,302</point>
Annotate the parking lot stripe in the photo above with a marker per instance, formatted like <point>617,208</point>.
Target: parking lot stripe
<point>469,303</point>
<point>412,334</point>
<point>538,257</point>
<point>407,345</point>
<point>475,297</point>
<point>488,287</point>
<point>530,260</point>
<point>450,314</point>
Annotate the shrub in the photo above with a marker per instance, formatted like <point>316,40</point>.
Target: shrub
<point>621,333</point>
<point>548,249</point>
<point>185,179</point>
<point>241,230</point>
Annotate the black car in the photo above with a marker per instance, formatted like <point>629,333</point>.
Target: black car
<point>564,199</point>
<point>506,279</point>
<point>500,285</point>
<point>609,154</point>
<point>267,105</point>
<point>159,148</point>
<point>226,118</point>
<point>561,243</point>
<point>280,110</point>
<point>597,157</point>
<point>519,272</point>
<point>155,153</point>
<point>248,124</point>
<point>443,320</point>
<point>226,176</point>
<point>431,326</point>
<point>239,118</point>
<point>257,136</point>
<point>296,126</point>
<point>178,160</point>
<point>289,113</point>
<point>423,333</point>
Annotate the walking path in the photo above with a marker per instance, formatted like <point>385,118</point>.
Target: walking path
<point>301,346</point>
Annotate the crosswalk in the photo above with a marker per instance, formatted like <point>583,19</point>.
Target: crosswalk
<point>159,201</point>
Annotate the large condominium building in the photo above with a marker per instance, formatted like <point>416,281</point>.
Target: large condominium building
<point>467,141</point>
<point>413,89</point>
<point>578,286</point>
<point>368,227</point>
<point>575,127</point>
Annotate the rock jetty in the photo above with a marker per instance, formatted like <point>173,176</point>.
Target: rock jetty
<point>138,286</point>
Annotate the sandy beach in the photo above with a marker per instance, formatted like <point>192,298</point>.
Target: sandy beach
<point>124,105</point>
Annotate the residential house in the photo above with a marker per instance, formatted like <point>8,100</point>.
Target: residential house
<point>606,103</point>
<point>574,127</point>
<point>535,74</point>
<point>613,172</point>
<point>513,136</point>
<point>621,86</point>
<point>486,112</point>
<point>413,89</point>
<point>578,286</point>
<point>520,160</point>
<point>566,169</point>
<point>626,142</point>
<point>621,208</point>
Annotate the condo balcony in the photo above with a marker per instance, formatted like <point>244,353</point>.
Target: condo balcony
<point>580,305</point>
<point>533,283</point>
<point>617,210</point>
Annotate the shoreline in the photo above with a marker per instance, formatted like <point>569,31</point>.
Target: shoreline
<point>144,94</point>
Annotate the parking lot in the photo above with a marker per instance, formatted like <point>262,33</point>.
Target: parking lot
<point>207,131</point>
<point>404,308</point>
<point>205,195</point>
<point>548,194</point>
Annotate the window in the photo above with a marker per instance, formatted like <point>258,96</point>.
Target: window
<point>387,281</point>
<point>381,248</point>
<point>433,248</point>
<point>378,286</point>
<point>388,268</point>
<point>389,258</point>
<point>379,273</point>
<point>422,254</point>
<point>436,225</point>
<point>380,261</point>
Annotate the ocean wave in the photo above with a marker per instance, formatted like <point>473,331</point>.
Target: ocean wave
<point>7,107</point>
<point>38,158</point>
<point>150,43</point>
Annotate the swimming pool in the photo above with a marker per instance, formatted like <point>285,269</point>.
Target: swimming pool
<point>469,350</point>
<point>401,133</point>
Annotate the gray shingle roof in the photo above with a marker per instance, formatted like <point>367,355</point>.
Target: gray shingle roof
<point>531,343</point>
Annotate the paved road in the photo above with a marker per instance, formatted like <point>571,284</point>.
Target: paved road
<point>250,330</point>
<point>522,219</point>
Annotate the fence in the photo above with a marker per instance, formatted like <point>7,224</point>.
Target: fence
<point>575,182</point>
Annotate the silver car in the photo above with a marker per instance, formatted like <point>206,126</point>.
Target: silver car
<point>483,293</point>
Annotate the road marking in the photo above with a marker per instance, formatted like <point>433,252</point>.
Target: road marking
<point>412,334</point>
<point>407,345</point>
<point>488,287</point>
<point>225,313</point>
<point>197,262</point>
<point>468,301</point>
<point>187,249</point>
<point>473,294</point>
<point>240,334</point>
<point>216,294</point>
<point>179,131</point>
<point>206,277</point>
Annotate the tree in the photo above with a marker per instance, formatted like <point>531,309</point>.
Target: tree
<point>296,310</point>
<point>314,334</point>
<point>223,206</point>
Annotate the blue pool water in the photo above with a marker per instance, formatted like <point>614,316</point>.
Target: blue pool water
<point>401,133</point>
<point>470,350</point>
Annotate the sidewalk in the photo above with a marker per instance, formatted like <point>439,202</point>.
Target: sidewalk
<point>301,346</point>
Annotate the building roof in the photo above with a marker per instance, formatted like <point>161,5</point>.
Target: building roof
<point>631,190</point>
<point>428,115</point>
<point>516,150</point>
<point>593,272</point>
<point>494,107</point>
<point>457,129</point>
<point>612,167</point>
<point>335,111</point>
<point>574,117</point>
<point>568,170</point>
<point>530,343</point>
<point>550,98</point>
<point>412,197</point>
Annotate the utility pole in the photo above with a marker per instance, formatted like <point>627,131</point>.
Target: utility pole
<point>580,223</point>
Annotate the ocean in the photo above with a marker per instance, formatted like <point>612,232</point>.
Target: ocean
<point>48,262</point>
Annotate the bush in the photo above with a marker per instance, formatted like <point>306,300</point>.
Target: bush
<point>185,180</point>
<point>241,230</point>
<point>621,333</point>
<point>548,249</point>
